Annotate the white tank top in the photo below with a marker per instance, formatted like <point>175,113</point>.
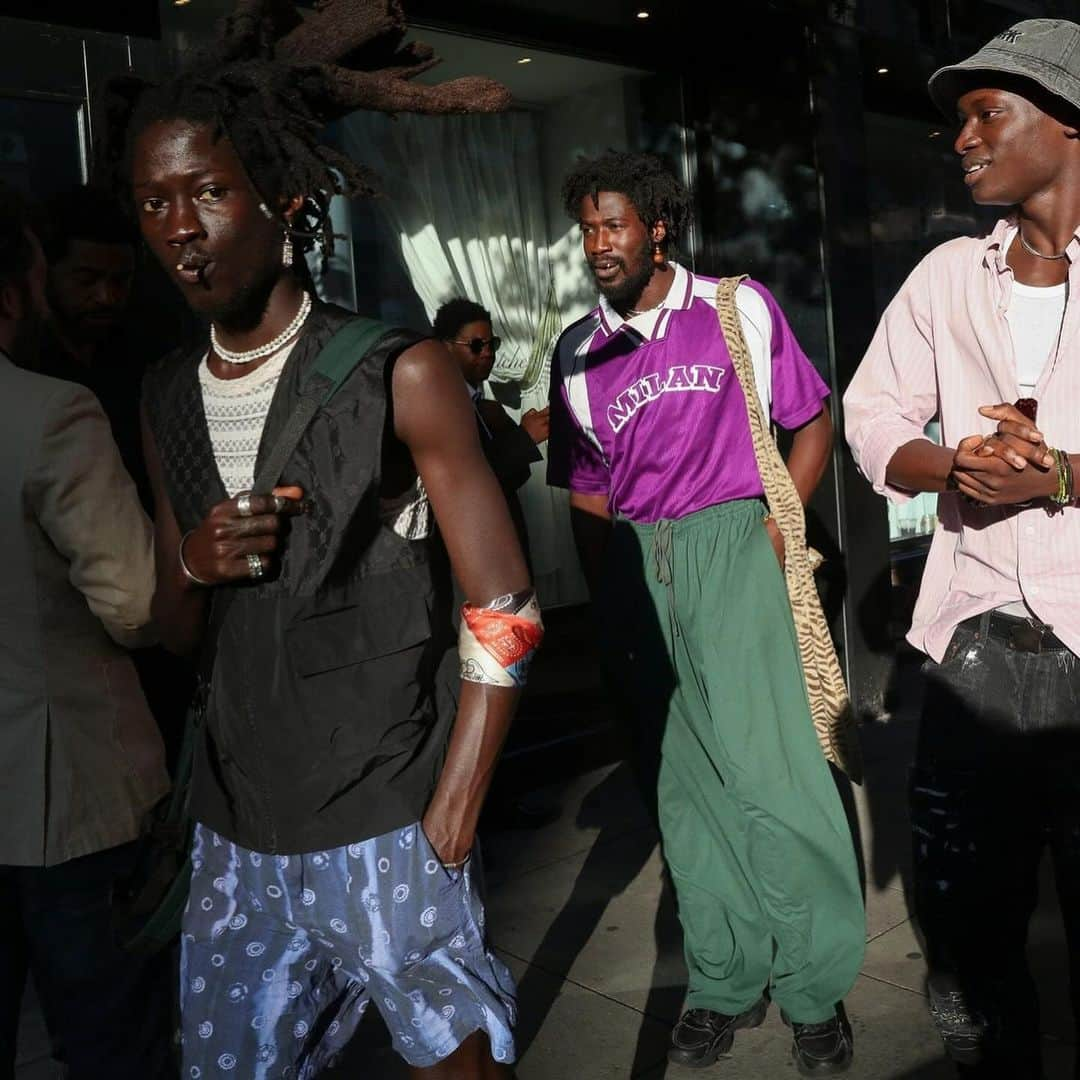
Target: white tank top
<point>236,414</point>
<point>236,411</point>
<point>1035,316</point>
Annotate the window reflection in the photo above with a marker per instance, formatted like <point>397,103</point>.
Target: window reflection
<point>917,201</point>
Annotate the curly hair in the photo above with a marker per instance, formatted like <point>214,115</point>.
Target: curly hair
<point>270,82</point>
<point>644,179</point>
<point>455,314</point>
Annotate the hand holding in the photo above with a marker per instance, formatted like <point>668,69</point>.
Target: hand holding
<point>237,539</point>
<point>537,424</point>
<point>990,478</point>
<point>1016,440</point>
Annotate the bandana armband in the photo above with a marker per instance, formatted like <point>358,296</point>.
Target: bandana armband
<point>497,643</point>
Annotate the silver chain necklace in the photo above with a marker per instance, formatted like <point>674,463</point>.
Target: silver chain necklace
<point>1031,251</point>
<point>633,313</point>
<point>270,347</point>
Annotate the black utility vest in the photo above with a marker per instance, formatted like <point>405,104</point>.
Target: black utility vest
<point>334,682</point>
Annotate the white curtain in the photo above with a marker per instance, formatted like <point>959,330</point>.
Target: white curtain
<point>464,196</point>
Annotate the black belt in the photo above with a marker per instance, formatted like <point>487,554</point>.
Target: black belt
<point>1023,635</point>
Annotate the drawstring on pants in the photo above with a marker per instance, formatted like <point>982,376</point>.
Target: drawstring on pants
<point>665,573</point>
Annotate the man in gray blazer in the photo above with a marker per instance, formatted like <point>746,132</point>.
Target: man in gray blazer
<point>81,759</point>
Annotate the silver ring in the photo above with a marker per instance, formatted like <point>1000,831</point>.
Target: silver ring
<point>255,566</point>
<point>280,502</point>
<point>243,504</point>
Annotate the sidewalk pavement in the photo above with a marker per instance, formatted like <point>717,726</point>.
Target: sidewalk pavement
<point>580,912</point>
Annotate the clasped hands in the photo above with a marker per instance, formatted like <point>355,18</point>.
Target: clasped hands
<point>1011,467</point>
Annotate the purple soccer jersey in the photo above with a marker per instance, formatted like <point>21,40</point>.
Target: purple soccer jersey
<point>650,412</point>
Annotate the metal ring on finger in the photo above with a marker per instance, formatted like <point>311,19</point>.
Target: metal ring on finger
<point>243,505</point>
<point>255,566</point>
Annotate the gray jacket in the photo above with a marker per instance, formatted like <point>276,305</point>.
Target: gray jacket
<point>81,759</point>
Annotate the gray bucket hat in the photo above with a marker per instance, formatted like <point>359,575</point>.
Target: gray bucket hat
<point>1047,51</point>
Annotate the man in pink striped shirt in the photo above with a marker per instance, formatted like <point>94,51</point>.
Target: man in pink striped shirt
<point>980,323</point>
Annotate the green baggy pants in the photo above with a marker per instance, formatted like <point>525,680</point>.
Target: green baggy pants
<point>698,636</point>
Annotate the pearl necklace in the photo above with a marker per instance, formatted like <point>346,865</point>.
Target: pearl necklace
<point>270,347</point>
<point>1038,254</point>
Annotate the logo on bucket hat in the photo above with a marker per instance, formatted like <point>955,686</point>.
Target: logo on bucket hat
<point>1045,51</point>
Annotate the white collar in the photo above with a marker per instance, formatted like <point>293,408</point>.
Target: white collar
<point>679,296</point>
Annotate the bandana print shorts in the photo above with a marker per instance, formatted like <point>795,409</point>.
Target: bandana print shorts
<point>281,954</point>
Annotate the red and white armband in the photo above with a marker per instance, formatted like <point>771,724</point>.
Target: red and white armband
<point>497,642</point>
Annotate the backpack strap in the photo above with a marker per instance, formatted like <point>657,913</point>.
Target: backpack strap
<point>336,361</point>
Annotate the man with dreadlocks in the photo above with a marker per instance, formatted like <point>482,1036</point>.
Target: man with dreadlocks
<point>650,432</point>
<point>335,791</point>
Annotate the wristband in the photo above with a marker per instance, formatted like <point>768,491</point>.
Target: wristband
<point>183,565</point>
<point>1064,494</point>
<point>497,642</point>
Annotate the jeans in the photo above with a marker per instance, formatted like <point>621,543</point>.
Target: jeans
<point>107,1011</point>
<point>996,783</point>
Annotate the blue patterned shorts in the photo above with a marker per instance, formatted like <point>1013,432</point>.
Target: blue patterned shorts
<point>282,953</point>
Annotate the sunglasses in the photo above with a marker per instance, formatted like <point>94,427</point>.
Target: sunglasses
<point>476,344</point>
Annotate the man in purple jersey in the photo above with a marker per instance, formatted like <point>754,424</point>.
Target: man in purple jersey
<point>650,433</point>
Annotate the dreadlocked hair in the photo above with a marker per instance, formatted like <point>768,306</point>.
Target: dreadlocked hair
<point>644,179</point>
<point>270,82</point>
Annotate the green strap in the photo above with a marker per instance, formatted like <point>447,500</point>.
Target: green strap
<point>334,364</point>
<point>342,353</point>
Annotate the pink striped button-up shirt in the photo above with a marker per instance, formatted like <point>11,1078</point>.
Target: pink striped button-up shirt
<point>943,348</point>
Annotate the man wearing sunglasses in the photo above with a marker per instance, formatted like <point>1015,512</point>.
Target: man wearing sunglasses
<point>510,448</point>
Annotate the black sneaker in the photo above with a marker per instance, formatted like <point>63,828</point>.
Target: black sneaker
<point>963,1030</point>
<point>824,1049</point>
<point>702,1035</point>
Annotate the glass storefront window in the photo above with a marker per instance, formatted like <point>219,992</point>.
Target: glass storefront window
<point>919,516</point>
<point>917,201</point>
<point>473,208</point>
<point>42,144</point>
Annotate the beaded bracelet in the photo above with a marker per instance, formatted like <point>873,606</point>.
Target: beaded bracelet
<point>1064,494</point>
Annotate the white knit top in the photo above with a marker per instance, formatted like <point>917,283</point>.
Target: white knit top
<point>236,413</point>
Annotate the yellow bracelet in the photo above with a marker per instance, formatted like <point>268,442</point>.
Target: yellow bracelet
<point>1061,496</point>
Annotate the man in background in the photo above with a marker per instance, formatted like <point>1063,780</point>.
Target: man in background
<point>81,760</point>
<point>510,448</point>
<point>93,277</point>
<point>90,250</point>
